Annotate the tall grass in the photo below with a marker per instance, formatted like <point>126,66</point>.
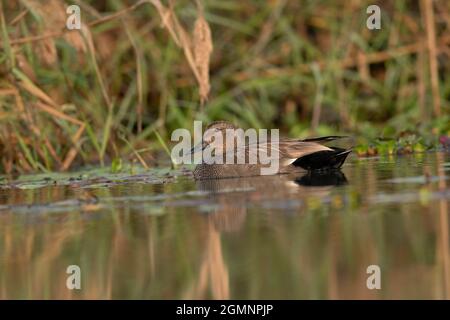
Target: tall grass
<point>70,98</point>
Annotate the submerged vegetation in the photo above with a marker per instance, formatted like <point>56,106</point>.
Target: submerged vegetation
<point>113,91</point>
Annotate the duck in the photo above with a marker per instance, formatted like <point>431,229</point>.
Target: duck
<point>293,154</point>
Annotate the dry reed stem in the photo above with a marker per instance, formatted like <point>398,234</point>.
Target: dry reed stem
<point>117,14</point>
<point>7,91</point>
<point>202,47</point>
<point>363,66</point>
<point>169,21</point>
<point>136,153</point>
<point>74,150</point>
<point>421,82</point>
<point>23,163</point>
<point>141,160</point>
<point>427,6</point>
<point>35,91</point>
<point>197,49</point>
<point>57,114</point>
<point>19,17</point>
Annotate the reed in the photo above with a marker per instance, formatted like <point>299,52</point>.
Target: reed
<point>139,67</point>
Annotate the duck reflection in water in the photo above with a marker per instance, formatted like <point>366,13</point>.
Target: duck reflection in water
<point>231,198</point>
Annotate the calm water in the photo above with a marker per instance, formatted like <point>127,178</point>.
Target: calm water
<point>161,236</point>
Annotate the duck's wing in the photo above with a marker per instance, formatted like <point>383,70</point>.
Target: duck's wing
<point>325,139</point>
<point>288,150</point>
<point>307,154</point>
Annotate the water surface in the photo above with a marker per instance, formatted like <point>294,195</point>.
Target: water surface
<point>164,236</point>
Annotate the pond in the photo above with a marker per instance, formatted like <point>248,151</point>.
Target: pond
<point>161,235</point>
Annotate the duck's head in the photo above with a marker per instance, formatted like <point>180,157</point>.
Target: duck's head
<point>212,131</point>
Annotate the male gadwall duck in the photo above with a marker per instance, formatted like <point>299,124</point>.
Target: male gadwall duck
<point>293,155</point>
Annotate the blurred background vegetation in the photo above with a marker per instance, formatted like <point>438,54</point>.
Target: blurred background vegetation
<point>137,70</point>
